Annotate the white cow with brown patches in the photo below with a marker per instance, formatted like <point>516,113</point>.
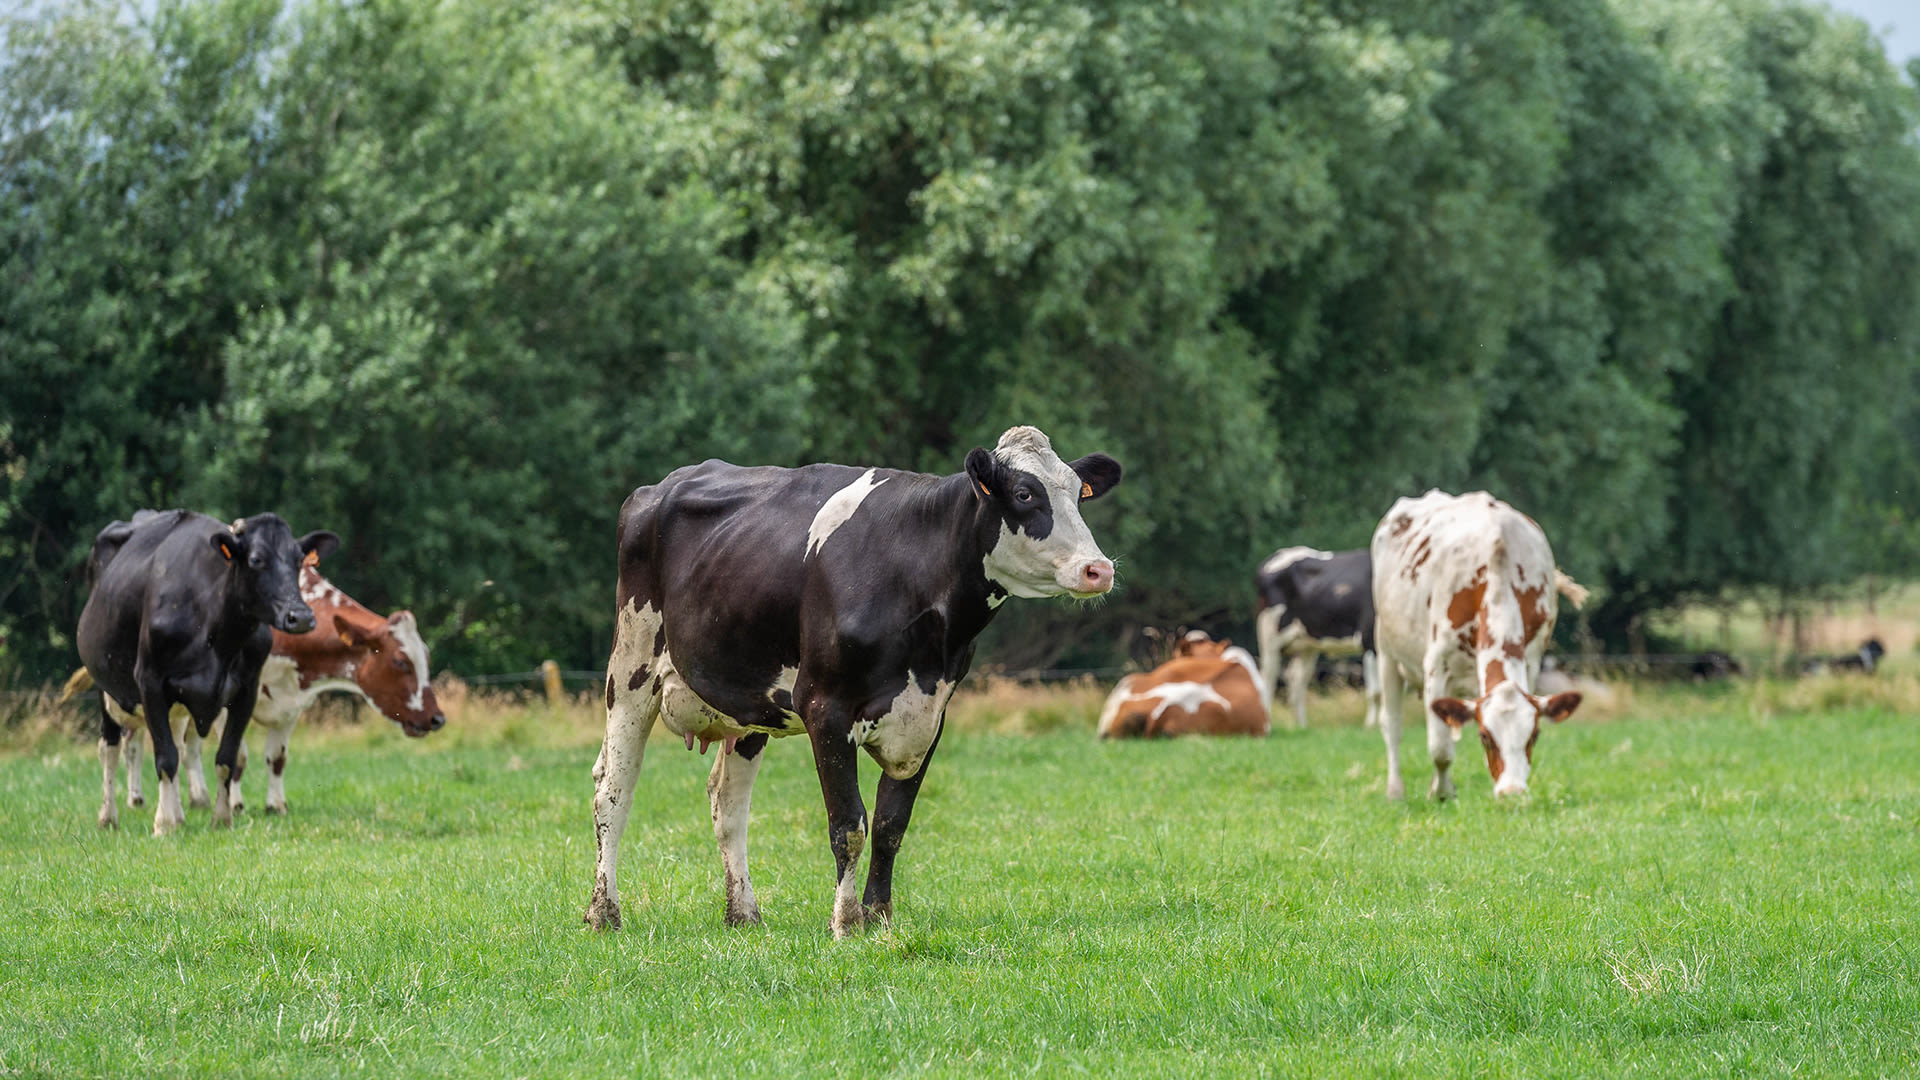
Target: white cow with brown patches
<point>1464,593</point>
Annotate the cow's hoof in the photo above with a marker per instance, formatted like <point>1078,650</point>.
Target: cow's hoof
<point>162,827</point>
<point>1396,790</point>
<point>276,808</point>
<point>845,926</point>
<point>880,915</point>
<point>743,916</point>
<point>1441,790</point>
<point>136,801</point>
<point>603,913</point>
<point>223,821</point>
<point>109,821</point>
<point>238,806</point>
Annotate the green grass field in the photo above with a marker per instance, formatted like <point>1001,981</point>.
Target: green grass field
<point>1706,882</point>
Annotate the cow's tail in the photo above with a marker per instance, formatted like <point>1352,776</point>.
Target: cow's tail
<point>78,683</point>
<point>1569,588</point>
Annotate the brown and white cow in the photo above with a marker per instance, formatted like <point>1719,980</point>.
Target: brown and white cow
<point>352,649</point>
<point>1464,593</point>
<point>1208,688</point>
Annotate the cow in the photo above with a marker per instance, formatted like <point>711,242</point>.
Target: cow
<point>182,612</point>
<point>381,659</point>
<point>834,601</point>
<point>1315,603</point>
<point>1463,590</point>
<point>1863,660</point>
<point>1208,688</point>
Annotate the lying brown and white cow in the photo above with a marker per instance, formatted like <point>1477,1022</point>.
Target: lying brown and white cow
<point>1208,688</point>
<point>1463,593</point>
<point>381,659</point>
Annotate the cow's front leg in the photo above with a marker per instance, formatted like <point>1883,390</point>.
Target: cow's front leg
<point>730,793</point>
<point>1440,734</point>
<point>167,815</point>
<point>110,739</point>
<point>239,770</point>
<point>1391,703</point>
<point>1299,674</point>
<point>892,809</point>
<point>633,703</point>
<point>190,739</point>
<point>226,761</point>
<point>273,748</point>
<point>835,758</point>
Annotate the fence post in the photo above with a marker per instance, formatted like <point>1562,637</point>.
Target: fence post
<point>550,678</point>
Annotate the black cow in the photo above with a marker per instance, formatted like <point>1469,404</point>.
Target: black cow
<point>1863,659</point>
<point>836,601</point>
<point>1312,603</point>
<point>182,613</point>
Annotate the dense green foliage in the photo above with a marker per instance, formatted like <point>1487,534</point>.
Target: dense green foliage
<point>1710,892</point>
<point>452,279</point>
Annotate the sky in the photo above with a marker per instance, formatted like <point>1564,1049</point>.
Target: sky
<point>1903,16</point>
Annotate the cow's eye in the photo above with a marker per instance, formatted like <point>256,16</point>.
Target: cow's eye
<point>401,663</point>
<point>1023,496</point>
<point>256,562</point>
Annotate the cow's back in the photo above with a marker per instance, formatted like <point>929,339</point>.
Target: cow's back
<point>718,554</point>
<point>1437,561</point>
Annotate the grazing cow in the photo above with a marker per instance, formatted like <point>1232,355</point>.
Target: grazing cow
<point>383,660</point>
<point>836,601</point>
<point>182,613</point>
<point>1208,688</point>
<point>1464,590</point>
<point>1315,603</point>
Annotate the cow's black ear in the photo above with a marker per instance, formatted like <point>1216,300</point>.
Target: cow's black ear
<point>318,545</point>
<point>984,470</point>
<point>1098,475</point>
<point>228,545</point>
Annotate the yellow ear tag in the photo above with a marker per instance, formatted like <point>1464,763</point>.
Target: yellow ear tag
<point>312,559</point>
<point>346,638</point>
<point>1086,490</point>
<point>225,551</point>
<point>984,491</point>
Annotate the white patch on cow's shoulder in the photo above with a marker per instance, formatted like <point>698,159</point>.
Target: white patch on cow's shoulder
<point>407,633</point>
<point>838,508</point>
<point>1188,696</point>
<point>900,739</point>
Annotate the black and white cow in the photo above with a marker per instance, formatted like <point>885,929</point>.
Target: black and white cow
<point>182,614</point>
<point>1315,603</point>
<point>836,601</point>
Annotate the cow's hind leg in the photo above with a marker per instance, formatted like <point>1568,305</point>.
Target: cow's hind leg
<point>133,742</point>
<point>109,767</point>
<point>633,703</point>
<point>273,747</point>
<point>730,793</point>
<point>834,757</point>
<point>1370,672</point>
<point>892,809</point>
<point>190,739</point>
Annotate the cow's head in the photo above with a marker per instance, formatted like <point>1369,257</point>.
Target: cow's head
<point>1044,547</point>
<point>392,669</point>
<point>1509,720</point>
<point>1199,645</point>
<point>265,563</point>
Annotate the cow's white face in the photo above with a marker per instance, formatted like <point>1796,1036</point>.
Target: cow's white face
<point>1044,547</point>
<point>1509,721</point>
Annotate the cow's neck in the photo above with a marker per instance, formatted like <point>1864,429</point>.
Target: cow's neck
<point>235,622</point>
<point>324,661</point>
<point>950,509</point>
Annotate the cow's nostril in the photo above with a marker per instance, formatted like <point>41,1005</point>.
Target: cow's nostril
<point>1098,576</point>
<point>437,722</point>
